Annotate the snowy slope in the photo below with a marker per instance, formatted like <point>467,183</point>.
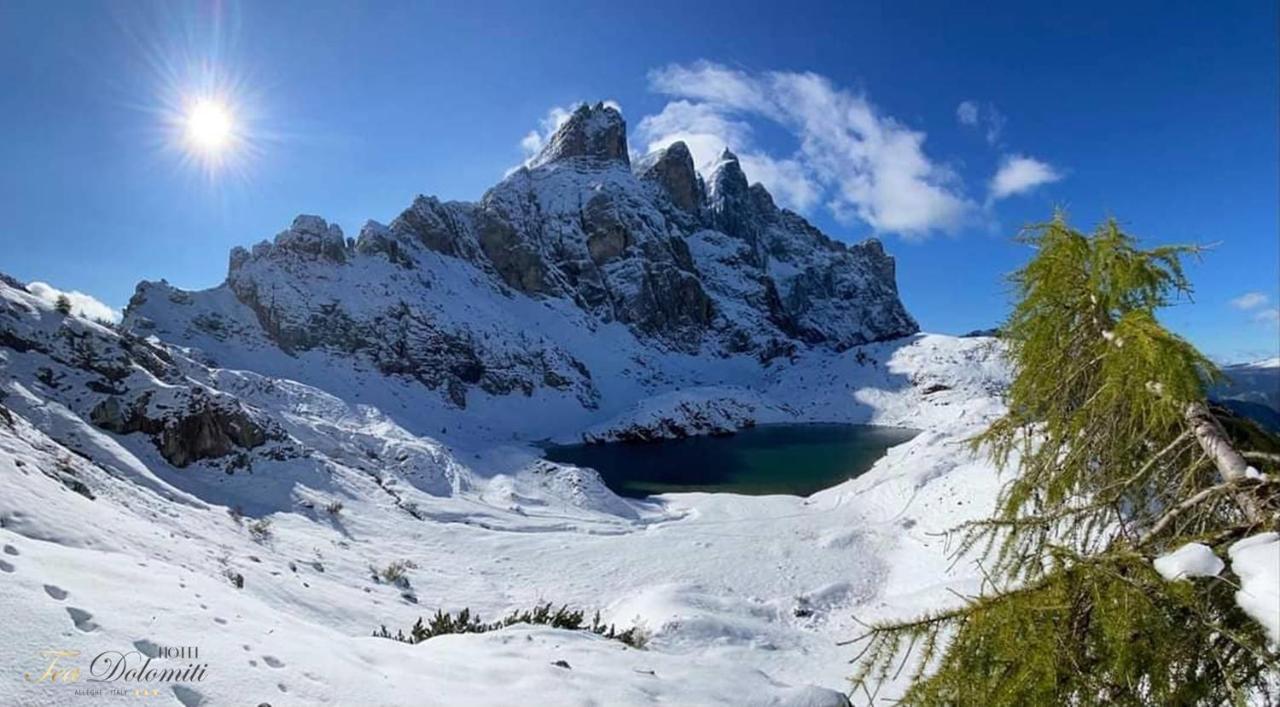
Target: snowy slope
<point>716,578</point>
<point>342,404</point>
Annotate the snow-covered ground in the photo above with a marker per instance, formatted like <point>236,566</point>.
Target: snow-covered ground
<point>745,598</point>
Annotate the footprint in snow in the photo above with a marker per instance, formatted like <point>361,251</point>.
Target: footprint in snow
<point>282,687</point>
<point>55,591</point>
<point>273,661</point>
<point>82,619</point>
<point>187,696</point>
<point>11,550</point>
<point>147,648</point>
<point>5,566</point>
<point>219,620</point>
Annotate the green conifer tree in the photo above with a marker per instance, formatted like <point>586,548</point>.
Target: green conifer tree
<point>63,305</point>
<point>1118,458</point>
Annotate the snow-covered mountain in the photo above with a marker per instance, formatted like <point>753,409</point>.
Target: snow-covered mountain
<point>225,467</point>
<point>519,293</point>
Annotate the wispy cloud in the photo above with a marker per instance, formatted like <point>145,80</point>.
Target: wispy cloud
<point>84,305</point>
<point>1019,174</point>
<point>1250,300</point>
<point>1259,307</point>
<point>982,115</point>
<point>707,131</point>
<point>533,143</point>
<point>1016,173</point>
<point>863,165</point>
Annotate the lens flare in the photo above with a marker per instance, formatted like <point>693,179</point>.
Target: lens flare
<point>210,126</point>
<point>204,113</point>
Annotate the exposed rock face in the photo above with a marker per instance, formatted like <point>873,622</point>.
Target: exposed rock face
<point>205,427</point>
<point>444,228</point>
<point>672,169</point>
<point>125,384</point>
<point>715,269</point>
<point>676,417</point>
<point>595,133</point>
<point>311,235</point>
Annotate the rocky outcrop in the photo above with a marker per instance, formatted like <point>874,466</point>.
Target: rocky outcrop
<point>680,415</point>
<point>312,235</point>
<point>595,133</point>
<point>201,427</point>
<point>671,168</point>
<point>446,228</point>
<point>123,383</point>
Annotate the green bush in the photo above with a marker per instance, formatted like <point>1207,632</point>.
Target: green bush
<point>443,623</point>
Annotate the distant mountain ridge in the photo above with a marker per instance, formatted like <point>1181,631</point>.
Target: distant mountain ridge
<point>1252,390</point>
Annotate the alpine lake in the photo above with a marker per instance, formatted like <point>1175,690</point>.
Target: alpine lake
<point>794,459</point>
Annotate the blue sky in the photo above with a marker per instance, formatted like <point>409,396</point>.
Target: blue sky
<point>1162,114</point>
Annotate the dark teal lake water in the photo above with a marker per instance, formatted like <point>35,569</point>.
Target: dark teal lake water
<point>769,459</point>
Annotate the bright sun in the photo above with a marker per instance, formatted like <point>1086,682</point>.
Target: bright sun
<point>209,126</point>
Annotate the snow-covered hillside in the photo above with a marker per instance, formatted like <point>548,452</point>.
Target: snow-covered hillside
<point>229,468</point>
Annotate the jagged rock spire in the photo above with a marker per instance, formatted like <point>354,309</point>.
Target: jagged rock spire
<point>728,181</point>
<point>593,132</point>
<point>672,168</point>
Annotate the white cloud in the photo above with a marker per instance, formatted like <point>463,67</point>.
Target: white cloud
<point>974,114</point>
<point>864,165</point>
<point>995,125</point>
<point>707,131</point>
<point>1250,300</point>
<point>1259,303</point>
<point>787,180</point>
<point>716,85</point>
<point>536,139</point>
<point>1019,174</point>
<point>81,304</point>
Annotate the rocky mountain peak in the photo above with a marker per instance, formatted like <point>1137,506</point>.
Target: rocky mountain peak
<point>595,132</point>
<point>727,181</point>
<point>672,169</point>
<point>315,236</point>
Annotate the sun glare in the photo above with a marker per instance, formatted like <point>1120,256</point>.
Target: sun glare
<point>209,126</point>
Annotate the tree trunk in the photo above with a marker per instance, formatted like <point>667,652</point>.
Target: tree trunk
<point>1213,440</point>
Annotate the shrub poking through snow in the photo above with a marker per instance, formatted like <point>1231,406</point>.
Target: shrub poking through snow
<point>260,529</point>
<point>236,579</point>
<point>334,507</point>
<point>443,623</point>
<point>396,572</point>
<point>1103,559</point>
